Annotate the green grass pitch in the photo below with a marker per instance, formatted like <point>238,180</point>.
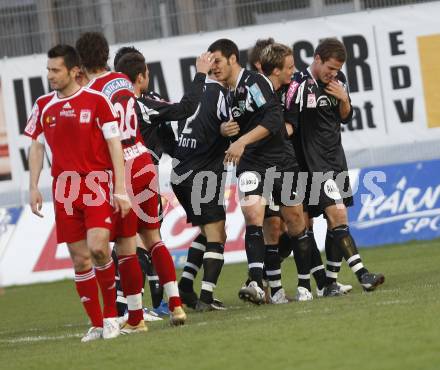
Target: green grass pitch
<point>396,327</point>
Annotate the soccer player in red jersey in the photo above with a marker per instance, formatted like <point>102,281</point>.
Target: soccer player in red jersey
<point>94,52</point>
<point>80,127</point>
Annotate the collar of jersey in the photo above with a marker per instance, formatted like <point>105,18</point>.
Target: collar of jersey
<point>309,71</point>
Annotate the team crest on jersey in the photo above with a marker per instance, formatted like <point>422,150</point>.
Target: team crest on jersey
<point>116,85</point>
<point>85,116</point>
<point>51,121</point>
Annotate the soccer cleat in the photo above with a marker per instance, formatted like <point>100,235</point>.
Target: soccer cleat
<point>150,315</point>
<point>162,309</point>
<point>303,294</point>
<point>370,281</point>
<point>279,297</point>
<point>178,316</point>
<point>111,328</point>
<point>93,333</point>
<point>333,290</point>
<point>252,293</point>
<point>346,288</point>
<point>189,298</point>
<point>129,329</point>
<point>215,305</point>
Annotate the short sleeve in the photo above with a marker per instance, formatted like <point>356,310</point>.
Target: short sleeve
<point>34,128</point>
<point>107,118</point>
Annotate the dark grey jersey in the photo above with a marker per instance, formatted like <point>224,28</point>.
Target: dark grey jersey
<point>317,117</point>
<point>200,146</point>
<point>254,103</point>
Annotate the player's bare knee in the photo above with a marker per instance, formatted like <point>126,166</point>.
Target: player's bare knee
<point>150,237</point>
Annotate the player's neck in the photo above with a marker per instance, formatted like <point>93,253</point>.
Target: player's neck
<point>69,90</point>
<point>313,71</point>
<point>96,74</point>
<point>275,83</point>
<point>235,75</point>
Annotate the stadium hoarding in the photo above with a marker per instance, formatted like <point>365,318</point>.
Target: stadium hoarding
<point>393,204</point>
<point>392,71</point>
<point>407,207</point>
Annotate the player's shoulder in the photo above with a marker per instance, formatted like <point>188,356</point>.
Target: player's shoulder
<point>215,86</point>
<point>91,95</point>
<point>44,99</point>
<point>300,76</point>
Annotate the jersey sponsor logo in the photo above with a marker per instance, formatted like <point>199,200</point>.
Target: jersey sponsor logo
<point>248,181</point>
<point>116,85</point>
<point>291,92</point>
<point>134,151</point>
<point>257,95</point>
<point>32,122</point>
<point>70,113</point>
<point>311,101</point>
<point>85,116</point>
<point>331,190</point>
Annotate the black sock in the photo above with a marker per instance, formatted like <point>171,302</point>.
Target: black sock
<point>272,263</point>
<point>317,269</point>
<point>121,301</point>
<point>302,252</point>
<point>212,267</point>
<point>334,258</point>
<point>193,263</point>
<point>149,272</point>
<point>254,243</point>
<point>285,246</point>
<point>343,239</point>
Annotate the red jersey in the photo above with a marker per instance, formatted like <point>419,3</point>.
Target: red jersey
<point>75,128</point>
<point>119,90</point>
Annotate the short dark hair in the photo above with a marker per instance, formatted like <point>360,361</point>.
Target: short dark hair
<point>254,53</point>
<point>94,50</point>
<point>123,51</point>
<point>226,47</point>
<point>331,48</point>
<point>132,64</point>
<point>68,53</point>
<point>273,56</point>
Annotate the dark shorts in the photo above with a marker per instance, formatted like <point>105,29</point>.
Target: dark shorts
<point>334,189</point>
<point>203,205</point>
<point>282,187</point>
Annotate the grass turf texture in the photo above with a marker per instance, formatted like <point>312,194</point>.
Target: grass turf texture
<point>396,327</point>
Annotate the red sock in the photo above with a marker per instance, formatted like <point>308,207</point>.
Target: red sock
<point>87,289</point>
<point>163,262</point>
<point>106,280</point>
<point>131,279</point>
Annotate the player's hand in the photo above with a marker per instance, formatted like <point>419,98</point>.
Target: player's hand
<point>36,202</point>
<point>234,153</point>
<point>230,128</point>
<point>204,62</point>
<point>337,90</point>
<point>122,203</point>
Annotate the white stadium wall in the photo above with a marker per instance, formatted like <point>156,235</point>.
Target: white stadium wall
<point>394,76</point>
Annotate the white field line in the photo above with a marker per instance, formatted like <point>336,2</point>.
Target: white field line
<point>39,338</point>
